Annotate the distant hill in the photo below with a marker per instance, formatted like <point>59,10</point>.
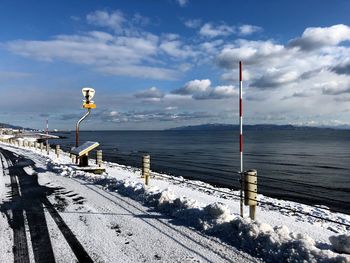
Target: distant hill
<point>226,127</point>
<point>10,126</point>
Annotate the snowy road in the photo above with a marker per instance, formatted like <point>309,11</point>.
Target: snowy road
<point>54,218</point>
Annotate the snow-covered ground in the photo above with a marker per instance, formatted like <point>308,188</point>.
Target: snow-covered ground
<point>200,212</point>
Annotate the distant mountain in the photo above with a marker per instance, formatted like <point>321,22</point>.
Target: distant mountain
<point>10,126</point>
<point>226,127</point>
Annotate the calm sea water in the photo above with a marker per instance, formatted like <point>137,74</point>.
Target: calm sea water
<point>308,166</point>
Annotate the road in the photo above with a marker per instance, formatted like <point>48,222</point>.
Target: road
<point>60,219</point>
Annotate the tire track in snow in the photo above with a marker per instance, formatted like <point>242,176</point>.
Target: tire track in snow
<point>29,196</point>
<point>73,242</point>
<point>20,246</point>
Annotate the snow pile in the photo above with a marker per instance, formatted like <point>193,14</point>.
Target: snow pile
<point>341,243</point>
<point>259,239</point>
<point>276,244</point>
<point>288,208</point>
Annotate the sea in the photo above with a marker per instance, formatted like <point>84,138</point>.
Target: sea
<point>307,166</point>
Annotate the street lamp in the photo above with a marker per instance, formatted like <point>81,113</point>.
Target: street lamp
<point>88,104</point>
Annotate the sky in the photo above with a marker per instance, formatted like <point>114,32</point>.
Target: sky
<point>161,64</point>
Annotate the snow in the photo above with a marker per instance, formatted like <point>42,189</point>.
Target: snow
<point>341,243</point>
<point>5,230</point>
<point>277,236</point>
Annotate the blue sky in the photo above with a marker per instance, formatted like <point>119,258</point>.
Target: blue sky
<point>161,64</point>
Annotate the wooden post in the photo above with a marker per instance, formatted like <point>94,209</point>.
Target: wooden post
<point>41,147</point>
<point>84,160</point>
<point>146,164</point>
<point>57,151</point>
<point>36,145</point>
<point>251,191</point>
<point>99,158</point>
<point>48,148</point>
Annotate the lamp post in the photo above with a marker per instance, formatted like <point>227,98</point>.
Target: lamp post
<point>88,104</point>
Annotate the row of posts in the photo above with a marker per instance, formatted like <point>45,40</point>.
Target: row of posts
<point>36,145</point>
<point>250,185</point>
<point>249,177</point>
<point>146,159</point>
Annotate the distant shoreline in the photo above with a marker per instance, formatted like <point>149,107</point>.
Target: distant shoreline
<point>204,127</point>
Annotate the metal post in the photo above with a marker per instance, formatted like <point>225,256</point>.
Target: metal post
<point>251,191</point>
<point>146,163</point>
<point>57,151</point>
<point>241,134</point>
<point>99,158</point>
<point>77,127</point>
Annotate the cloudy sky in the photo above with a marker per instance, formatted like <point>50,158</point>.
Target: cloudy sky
<point>167,63</point>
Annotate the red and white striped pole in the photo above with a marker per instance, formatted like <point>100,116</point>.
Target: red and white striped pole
<point>241,134</point>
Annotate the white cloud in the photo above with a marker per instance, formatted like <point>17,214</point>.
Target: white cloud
<point>202,90</point>
<point>113,20</point>
<point>129,51</point>
<point>211,47</point>
<point>217,93</point>
<point>246,30</point>
<point>150,94</point>
<point>92,48</point>
<point>305,79</point>
<point>210,30</point>
<point>170,36</point>
<point>335,87</point>
<point>251,52</point>
<point>115,55</point>
<point>316,37</point>
<point>176,49</point>
<point>193,87</point>
<point>193,23</point>
<point>275,78</point>
<point>285,83</point>
<point>182,3</point>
